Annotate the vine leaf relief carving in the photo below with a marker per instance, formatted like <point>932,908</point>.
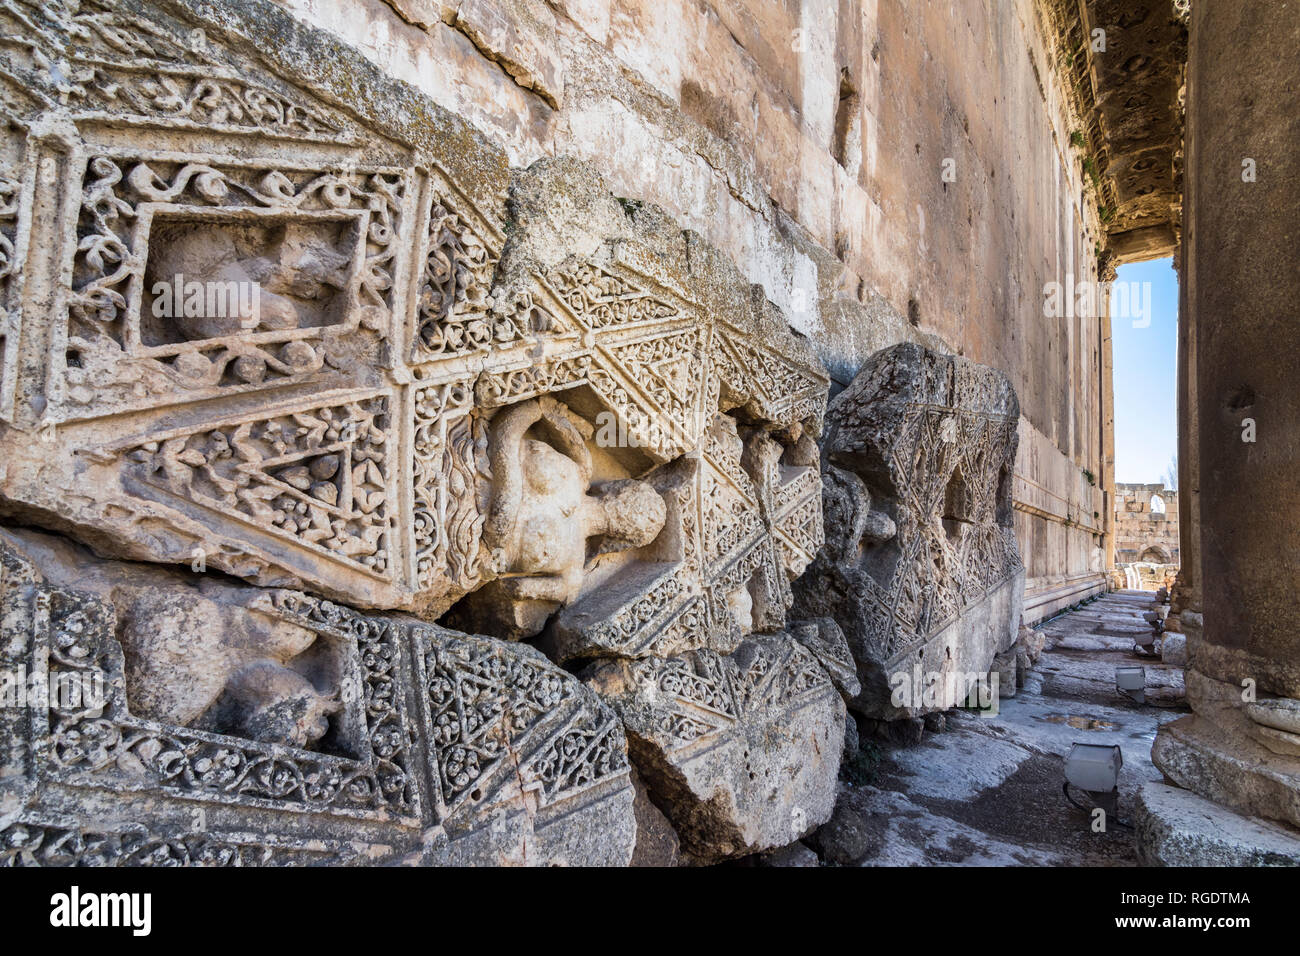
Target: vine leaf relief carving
<point>275,335</point>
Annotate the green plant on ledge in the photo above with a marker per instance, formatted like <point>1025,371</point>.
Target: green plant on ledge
<point>1092,479</point>
<point>1090,168</point>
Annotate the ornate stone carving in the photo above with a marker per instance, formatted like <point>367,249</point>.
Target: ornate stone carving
<point>455,313</point>
<point>295,365</point>
<point>921,566</point>
<point>312,252</point>
<point>542,516</point>
<point>246,331</point>
<point>743,750</point>
<point>260,428</point>
<point>14,230</point>
<point>109,747</point>
<point>435,747</point>
<point>45,844</point>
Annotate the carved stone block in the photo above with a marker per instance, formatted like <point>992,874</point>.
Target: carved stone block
<point>335,736</point>
<point>252,333</point>
<point>742,750</point>
<point>921,568</point>
<point>328,343</point>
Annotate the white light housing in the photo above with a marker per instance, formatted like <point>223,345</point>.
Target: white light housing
<point>1131,681</point>
<point>1093,767</point>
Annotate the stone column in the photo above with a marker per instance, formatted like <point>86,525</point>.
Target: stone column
<point>1240,427</point>
<point>1107,476</point>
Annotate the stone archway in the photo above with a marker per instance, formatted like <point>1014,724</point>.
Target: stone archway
<point>1155,555</point>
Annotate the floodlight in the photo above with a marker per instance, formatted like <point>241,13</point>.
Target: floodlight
<point>1094,768</point>
<point>1131,681</point>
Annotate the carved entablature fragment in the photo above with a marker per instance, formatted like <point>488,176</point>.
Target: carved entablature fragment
<point>921,566</point>
<point>725,739</point>
<point>252,726</point>
<point>245,330</point>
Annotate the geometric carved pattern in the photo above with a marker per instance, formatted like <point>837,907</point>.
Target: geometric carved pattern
<point>495,728</point>
<point>703,694</point>
<point>114,749</point>
<point>919,451</point>
<point>318,476</point>
<point>502,725</point>
<point>328,432</point>
<point>41,844</point>
<point>936,444</point>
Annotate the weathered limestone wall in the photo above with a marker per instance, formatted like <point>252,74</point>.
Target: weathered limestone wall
<point>808,141</point>
<point>1143,532</point>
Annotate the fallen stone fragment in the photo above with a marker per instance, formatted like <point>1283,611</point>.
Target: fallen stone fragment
<point>1173,649</point>
<point>740,751</point>
<point>920,568</point>
<point>293,729</point>
<point>826,641</point>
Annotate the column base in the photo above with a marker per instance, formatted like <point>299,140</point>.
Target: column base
<point>1175,827</point>
<point>1229,768</point>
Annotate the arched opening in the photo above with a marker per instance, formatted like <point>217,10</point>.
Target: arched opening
<point>1157,505</point>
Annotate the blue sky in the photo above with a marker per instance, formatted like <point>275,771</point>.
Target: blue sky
<point>1145,378</point>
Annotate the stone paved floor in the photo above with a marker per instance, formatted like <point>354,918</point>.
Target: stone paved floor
<point>987,790</point>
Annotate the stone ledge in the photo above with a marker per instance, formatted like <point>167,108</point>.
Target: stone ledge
<point>1175,827</point>
<point>1041,604</point>
<point>1229,769</point>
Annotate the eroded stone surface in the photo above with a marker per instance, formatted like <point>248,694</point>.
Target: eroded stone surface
<point>742,751</point>
<point>1175,827</point>
<point>335,736</point>
<point>1231,766</point>
<point>921,568</point>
